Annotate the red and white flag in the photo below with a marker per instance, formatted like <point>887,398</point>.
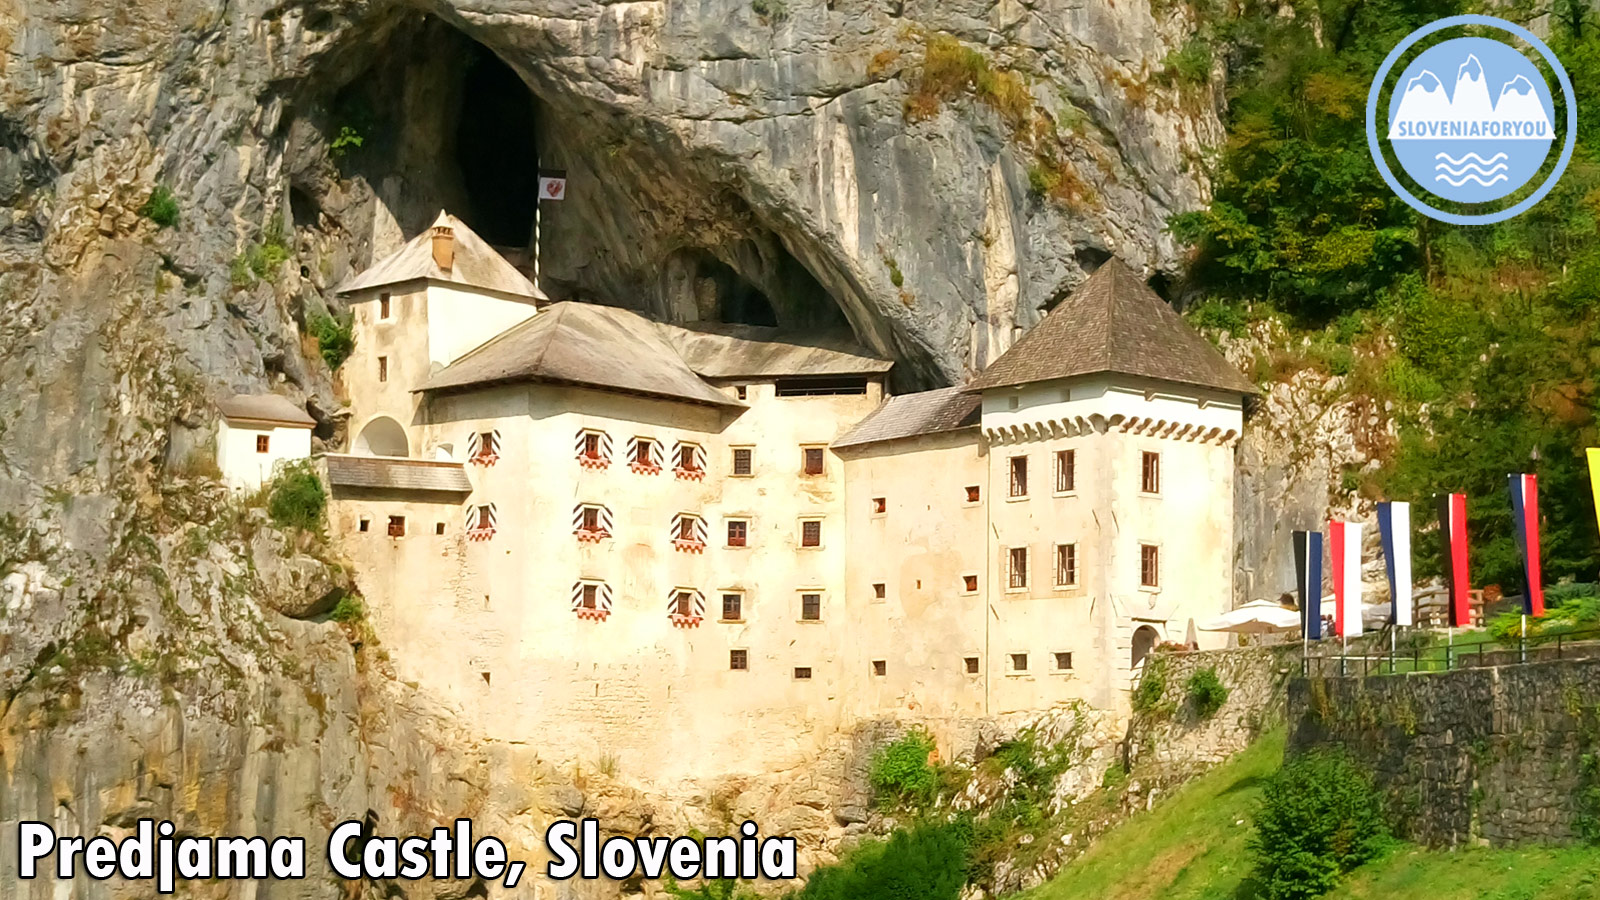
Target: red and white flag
<point>552,184</point>
<point>1345,541</point>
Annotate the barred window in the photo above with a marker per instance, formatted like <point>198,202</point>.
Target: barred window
<point>1150,473</point>
<point>811,607</point>
<point>1018,567</point>
<point>742,460</point>
<point>732,607</point>
<point>811,533</point>
<point>1149,565</point>
<point>1019,476</point>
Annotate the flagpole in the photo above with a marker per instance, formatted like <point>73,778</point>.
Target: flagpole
<point>1524,642</point>
<point>536,240</point>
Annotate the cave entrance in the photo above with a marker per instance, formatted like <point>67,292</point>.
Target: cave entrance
<point>738,300</point>
<point>497,149</point>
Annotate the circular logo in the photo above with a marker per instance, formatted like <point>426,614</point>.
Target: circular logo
<point>1470,120</point>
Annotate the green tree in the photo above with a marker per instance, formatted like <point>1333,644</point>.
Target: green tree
<point>1320,817</point>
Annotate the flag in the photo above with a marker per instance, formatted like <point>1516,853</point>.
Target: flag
<point>1394,527</point>
<point>1453,532</point>
<point>1594,479</point>
<point>1525,523</point>
<point>1308,579</point>
<point>1345,538</point>
<point>552,184</point>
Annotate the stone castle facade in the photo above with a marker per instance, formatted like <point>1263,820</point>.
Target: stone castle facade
<point>717,547</point>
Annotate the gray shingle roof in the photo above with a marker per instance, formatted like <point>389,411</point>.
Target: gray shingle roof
<point>910,415</point>
<point>751,351</point>
<point>271,408</point>
<point>583,344</point>
<point>390,473</point>
<point>476,264</point>
<point>1113,322</point>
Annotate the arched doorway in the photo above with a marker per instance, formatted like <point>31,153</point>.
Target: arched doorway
<point>1144,640</point>
<point>382,436</point>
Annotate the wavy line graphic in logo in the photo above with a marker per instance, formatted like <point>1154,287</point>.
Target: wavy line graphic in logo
<point>1471,120</point>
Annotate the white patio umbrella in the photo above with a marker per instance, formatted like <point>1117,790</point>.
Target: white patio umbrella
<point>1255,617</point>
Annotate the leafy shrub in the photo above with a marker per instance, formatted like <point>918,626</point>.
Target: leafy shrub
<point>1206,692</point>
<point>349,610</point>
<point>926,862</point>
<point>1191,63</point>
<point>335,337</point>
<point>901,773</point>
<point>1152,687</point>
<point>296,498</point>
<point>1568,608</point>
<point>345,141</point>
<point>162,207</point>
<point>1320,817</point>
<point>1220,315</point>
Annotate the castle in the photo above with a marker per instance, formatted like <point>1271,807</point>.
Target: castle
<point>602,533</point>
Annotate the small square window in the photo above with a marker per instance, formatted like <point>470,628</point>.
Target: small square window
<point>733,607</point>
<point>1149,566</point>
<point>811,607</point>
<point>812,460</point>
<point>969,583</point>
<point>397,526</point>
<point>1063,661</point>
<point>972,665</point>
<point>879,590</point>
<point>383,305</point>
<point>438,528</point>
<point>880,505</point>
<point>974,492</point>
<point>689,457</point>
<point>1066,471</point>
<point>364,525</point>
<point>644,452</point>
<point>739,660</point>
<point>738,533</point>
<point>742,458</point>
<point>1019,476</point>
<point>743,392</point>
<point>802,673</point>
<point>383,368</point>
<point>263,443</point>
<point>591,596</point>
<point>1019,662</point>
<point>811,533</point>
<point>880,667</point>
<point>683,604</point>
<point>591,518</point>
<point>1150,473</point>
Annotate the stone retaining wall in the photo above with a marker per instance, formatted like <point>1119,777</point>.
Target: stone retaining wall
<point>1492,755</point>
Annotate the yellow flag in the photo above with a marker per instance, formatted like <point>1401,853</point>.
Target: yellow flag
<point>1594,478</point>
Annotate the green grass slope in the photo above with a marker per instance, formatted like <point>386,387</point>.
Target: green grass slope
<point>1192,846</point>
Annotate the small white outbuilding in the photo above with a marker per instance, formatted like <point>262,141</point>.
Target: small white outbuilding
<point>257,432</point>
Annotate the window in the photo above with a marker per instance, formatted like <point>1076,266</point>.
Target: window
<point>262,443</point>
<point>1019,476</point>
<point>820,386</point>
<point>811,533</point>
<point>811,460</point>
<point>1063,661</point>
<point>438,528</point>
<point>880,667</point>
<point>880,590</point>
<point>1066,471</point>
<point>811,607</point>
<point>973,493</point>
<point>383,368</point>
<point>733,607</point>
<point>683,604</point>
<point>802,673</point>
<point>593,449</point>
<point>742,391</point>
<point>742,460</point>
<point>1013,402</point>
<point>739,660</point>
<point>1149,566</point>
<point>969,583</point>
<point>383,305</point>
<point>642,452</point>
<point>397,526</point>
<point>686,528</point>
<point>591,518</point>
<point>364,525</point>
<point>1150,473</point>
<point>1018,568</point>
<point>738,533</point>
<point>590,600</point>
<point>972,665</point>
<point>591,596</point>
<point>688,459</point>
<point>480,522</point>
<point>880,505</point>
<point>688,533</point>
<point>591,522</point>
<point>591,445</point>
<point>484,447</point>
<point>1019,662</point>
<point>1066,565</point>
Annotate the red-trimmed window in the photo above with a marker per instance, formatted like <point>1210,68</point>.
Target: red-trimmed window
<point>591,522</point>
<point>593,449</point>
<point>688,533</point>
<point>689,461</point>
<point>481,522</point>
<point>644,455</point>
<point>483,448</point>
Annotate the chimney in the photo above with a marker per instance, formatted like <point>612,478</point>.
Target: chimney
<point>444,246</point>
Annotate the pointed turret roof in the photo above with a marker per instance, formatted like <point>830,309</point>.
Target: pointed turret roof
<point>1113,322</point>
<point>476,265</point>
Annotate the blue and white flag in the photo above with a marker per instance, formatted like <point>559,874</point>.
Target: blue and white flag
<point>1394,527</point>
<point>1308,580</point>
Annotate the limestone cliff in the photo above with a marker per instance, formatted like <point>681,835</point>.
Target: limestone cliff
<point>933,173</point>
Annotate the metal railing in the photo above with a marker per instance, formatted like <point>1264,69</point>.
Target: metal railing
<point>1470,650</point>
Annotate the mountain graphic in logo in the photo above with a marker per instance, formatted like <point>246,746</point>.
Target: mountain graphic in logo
<point>1479,137</point>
